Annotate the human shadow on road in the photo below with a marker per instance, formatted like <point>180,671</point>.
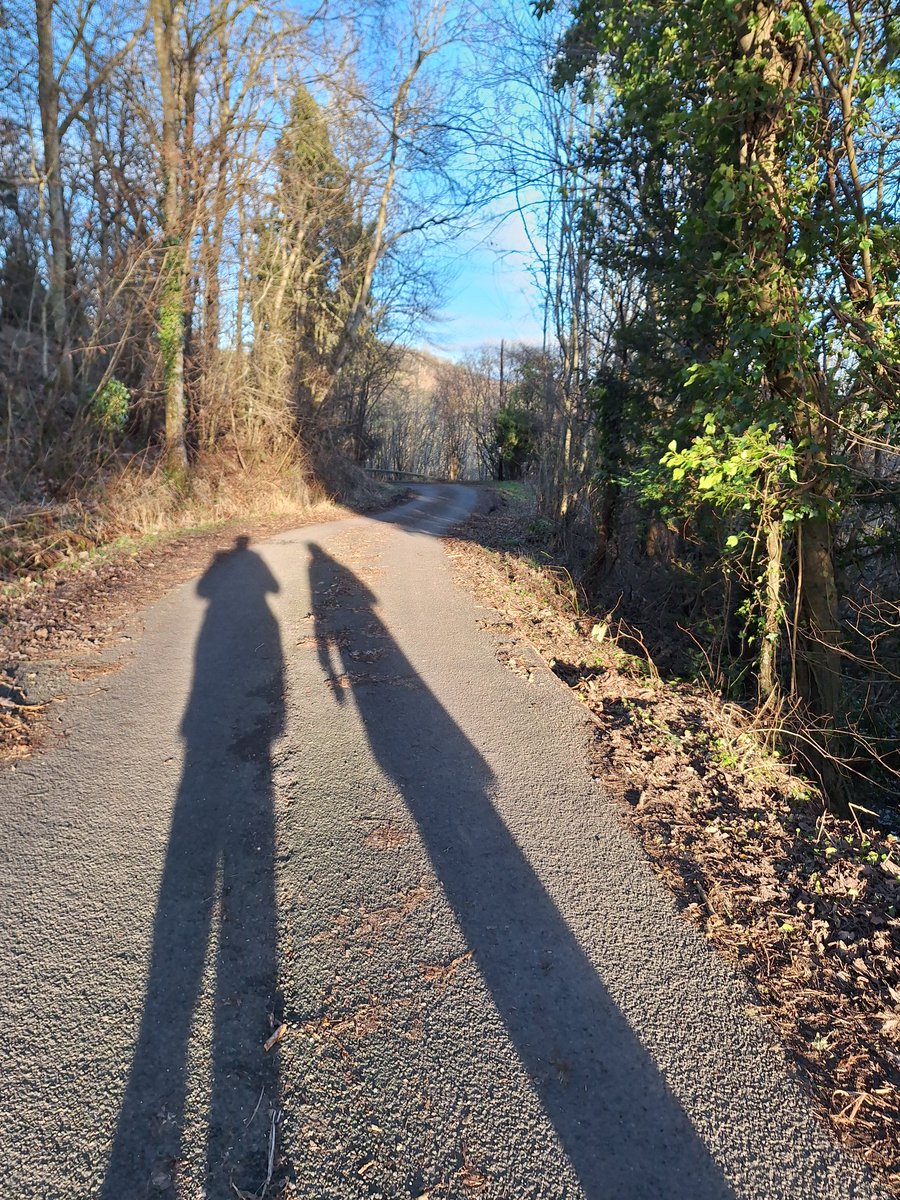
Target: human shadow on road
<point>217,883</point>
<point>623,1130</point>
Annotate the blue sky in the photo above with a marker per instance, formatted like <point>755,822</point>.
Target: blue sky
<point>490,72</point>
<point>492,295</point>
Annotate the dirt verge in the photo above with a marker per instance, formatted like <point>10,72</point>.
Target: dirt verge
<point>803,904</point>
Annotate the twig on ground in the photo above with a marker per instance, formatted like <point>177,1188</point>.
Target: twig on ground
<point>275,1038</point>
<point>270,1170</point>
<point>276,1113</point>
<point>258,1103</point>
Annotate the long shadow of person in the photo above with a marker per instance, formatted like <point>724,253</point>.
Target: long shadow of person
<point>620,1126</point>
<point>217,883</point>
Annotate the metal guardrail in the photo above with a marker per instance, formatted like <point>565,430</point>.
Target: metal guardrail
<point>403,476</point>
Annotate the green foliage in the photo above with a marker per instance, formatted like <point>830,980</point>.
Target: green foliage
<point>739,161</point>
<point>314,213</point>
<point>515,441</point>
<point>109,406</point>
<point>719,155</point>
<point>747,471</point>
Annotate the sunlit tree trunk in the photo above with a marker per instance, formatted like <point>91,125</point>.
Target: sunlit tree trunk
<point>48,102</point>
<point>772,614</point>
<point>166,22</point>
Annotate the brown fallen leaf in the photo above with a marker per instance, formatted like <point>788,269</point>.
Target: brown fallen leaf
<point>275,1038</point>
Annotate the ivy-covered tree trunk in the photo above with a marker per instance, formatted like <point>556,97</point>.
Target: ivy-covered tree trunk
<point>171,331</point>
<point>779,62</point>
<point>820,621</point>
<point>171,341</point>
<point>819,668</point>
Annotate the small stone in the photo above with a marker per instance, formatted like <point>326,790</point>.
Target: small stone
<point>161,1179</point>
<point>42,634</point>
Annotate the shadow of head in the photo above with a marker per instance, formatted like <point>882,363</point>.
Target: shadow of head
<point>238,576</point>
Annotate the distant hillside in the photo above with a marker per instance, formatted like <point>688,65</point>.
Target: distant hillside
<point>420,371</point>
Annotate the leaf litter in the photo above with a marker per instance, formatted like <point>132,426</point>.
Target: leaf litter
<point>804,904</point>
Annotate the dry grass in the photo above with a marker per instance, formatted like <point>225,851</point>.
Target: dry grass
<point>217,490</point>
<point>142,500</point>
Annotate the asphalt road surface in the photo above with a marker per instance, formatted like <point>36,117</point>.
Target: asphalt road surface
<point>311,795</point>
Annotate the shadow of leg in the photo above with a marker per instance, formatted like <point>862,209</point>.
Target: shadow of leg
<point>219,864</point>
<point>622,1129</point>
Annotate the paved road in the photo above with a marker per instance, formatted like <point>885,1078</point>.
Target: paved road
<point>313,795</point>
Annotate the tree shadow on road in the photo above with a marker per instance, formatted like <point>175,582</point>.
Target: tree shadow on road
<point>217,883</point>
<point>623,1130</point>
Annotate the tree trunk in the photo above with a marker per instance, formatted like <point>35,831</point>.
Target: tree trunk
<point>768,666</point>
<point>171,309</point>
<point>820,622</point>
<point>48,102</point>
<point>780,64</point>
<point>171,340</point>
<point>819,668</point>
